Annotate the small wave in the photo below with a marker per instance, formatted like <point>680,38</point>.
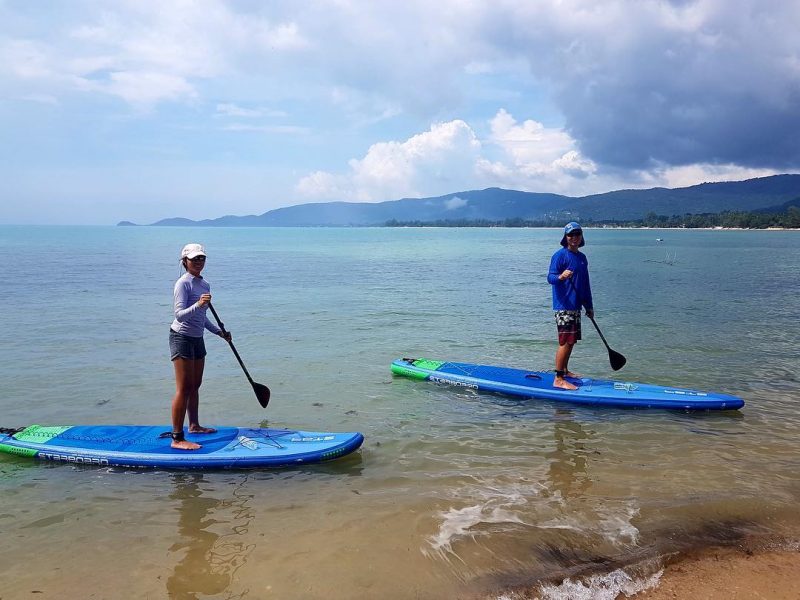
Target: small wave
<point>496,506</point>
<point>612,523</point>
<point>598,587</point>
<point>458,523</point>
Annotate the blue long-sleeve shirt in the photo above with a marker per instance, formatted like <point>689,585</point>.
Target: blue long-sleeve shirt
<point>576,291</point>
<point>190,319</point>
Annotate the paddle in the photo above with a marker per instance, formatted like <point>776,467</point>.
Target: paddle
<point>262,391</point>
<point>616,359</point>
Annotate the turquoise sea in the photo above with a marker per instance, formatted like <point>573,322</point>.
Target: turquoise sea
<point>454,494</point>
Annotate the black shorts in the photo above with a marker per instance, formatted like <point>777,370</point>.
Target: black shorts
<point>186,346</point>
<point>568,323</point>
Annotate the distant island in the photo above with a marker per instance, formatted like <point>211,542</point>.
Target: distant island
<point>755,203</point>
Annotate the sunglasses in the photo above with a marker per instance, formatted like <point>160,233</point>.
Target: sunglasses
<point>198,259</point>
<point>574,233</point>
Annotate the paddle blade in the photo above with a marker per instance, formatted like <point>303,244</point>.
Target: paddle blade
<point>616,359</point>
<point>262,393</point>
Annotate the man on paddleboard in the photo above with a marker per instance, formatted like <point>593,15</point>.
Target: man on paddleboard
<point>569,276</point>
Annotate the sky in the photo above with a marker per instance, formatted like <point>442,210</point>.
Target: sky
<point>141,110</point>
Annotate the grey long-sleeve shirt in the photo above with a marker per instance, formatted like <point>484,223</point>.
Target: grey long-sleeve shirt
<point>190,318</point>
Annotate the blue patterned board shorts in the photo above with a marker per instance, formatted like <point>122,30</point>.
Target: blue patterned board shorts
<point>186,346</point>
<point>568,323</point>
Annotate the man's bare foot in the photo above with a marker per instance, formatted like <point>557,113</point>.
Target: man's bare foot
<point>185,445</point>
<point>560,382</point>
<point>573,375</point>
<point>200,429</point>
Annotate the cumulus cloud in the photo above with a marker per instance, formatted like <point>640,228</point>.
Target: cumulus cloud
<point>532,157</point>
<point>535,154</point>
<point>430,162</point>
<point>455,203</point>
<point>450,156</point>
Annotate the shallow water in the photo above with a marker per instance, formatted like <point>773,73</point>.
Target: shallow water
<point>454,494</point>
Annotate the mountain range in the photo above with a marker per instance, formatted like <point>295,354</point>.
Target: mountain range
<point>496,204</point>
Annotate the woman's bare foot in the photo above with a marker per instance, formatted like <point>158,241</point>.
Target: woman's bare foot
<point>201,429</point>
<point>560,382</point>
<point>185,445</point>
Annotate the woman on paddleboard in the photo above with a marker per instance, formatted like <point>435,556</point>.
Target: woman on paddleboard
<point>192,295</point>
<point>569,276</point>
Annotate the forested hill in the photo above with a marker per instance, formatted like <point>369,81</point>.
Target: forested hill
<point>495,204</point>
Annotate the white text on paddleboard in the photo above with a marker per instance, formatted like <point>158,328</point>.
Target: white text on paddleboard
<point>451,382</point>
<point>85,460</point>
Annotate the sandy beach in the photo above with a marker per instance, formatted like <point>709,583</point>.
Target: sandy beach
<point>749,570</point>
<point>730,574</point>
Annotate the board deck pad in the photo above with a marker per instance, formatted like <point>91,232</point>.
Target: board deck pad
<point>539,385</point>
<point>148,446</point>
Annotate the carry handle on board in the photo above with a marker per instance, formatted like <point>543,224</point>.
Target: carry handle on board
<point>262,391</point>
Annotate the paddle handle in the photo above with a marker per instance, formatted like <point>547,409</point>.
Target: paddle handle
<point>230,343</point>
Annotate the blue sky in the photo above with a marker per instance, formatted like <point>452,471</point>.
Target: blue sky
<point>141,110</point>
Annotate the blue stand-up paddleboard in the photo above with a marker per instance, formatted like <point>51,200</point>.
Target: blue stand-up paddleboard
<point>148,446</point>
<point>539,384</point>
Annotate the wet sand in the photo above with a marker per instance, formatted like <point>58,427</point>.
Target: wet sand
<point>730,574</point>
<point>749,570</point>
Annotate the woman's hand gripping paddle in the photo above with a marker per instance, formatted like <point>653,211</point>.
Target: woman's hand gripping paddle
<point>262,391</point>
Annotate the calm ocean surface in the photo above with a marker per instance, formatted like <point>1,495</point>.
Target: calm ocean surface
<point>454,494</point>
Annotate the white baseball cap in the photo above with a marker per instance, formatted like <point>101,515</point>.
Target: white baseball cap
<point>191,250</point>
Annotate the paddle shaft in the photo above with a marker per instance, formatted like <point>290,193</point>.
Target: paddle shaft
<point>600,333</point>
<point>230,343</point>
<point>261,391</point>
<point>616,359</point>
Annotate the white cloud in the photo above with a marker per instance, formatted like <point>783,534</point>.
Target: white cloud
<point>24,59</point>
<point>143,89</point>
<point>362,108</point>
<point>280,129</point>
<point>532,157</point>
<point>688,175</point>
<point>147,52</point>
<point>430,162</point>
<point>455,203</point>
<point>529,142</point>
<point>284,36</point>
<point>42,99</point>
<point>233,110</point>
<point>535,157</point>
<point>323,185</point>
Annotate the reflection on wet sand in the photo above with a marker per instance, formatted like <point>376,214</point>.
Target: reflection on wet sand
<point>210,559</point>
